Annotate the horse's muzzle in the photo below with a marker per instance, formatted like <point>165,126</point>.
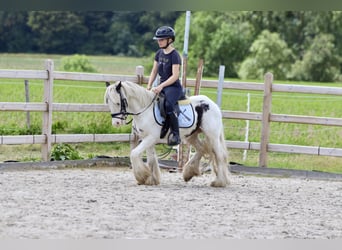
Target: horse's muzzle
<point>116,122</point>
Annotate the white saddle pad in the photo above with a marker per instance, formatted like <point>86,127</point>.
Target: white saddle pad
<point>186,116</point>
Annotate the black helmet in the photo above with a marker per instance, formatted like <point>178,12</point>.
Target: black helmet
<point>164,32</point>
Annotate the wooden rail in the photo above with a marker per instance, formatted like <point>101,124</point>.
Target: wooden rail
<point>265,117</point>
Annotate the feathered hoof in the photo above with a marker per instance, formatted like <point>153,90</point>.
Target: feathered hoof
<point>150,181</point>
<point>217,183</point>
<point>141,179</point>
<point>189,173</point>
<point>187,178</point>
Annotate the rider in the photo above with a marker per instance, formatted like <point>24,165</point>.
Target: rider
<point>167,62</point>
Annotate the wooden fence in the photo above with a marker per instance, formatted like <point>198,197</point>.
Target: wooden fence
<point>48,75</point>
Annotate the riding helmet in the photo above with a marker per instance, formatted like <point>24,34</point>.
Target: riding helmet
<point>164,32</point>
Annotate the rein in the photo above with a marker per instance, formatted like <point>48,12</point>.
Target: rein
<point>123,114</point>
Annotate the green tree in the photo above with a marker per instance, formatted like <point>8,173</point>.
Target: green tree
<point>218,38</point>
<point>228,46</point>
<point>122,39</point>
<point>268,53</point>
<point>57,31</point>
<point>131,33</point>
<point>15,35</point>
<point>98,24</point>
<point>320,62</point>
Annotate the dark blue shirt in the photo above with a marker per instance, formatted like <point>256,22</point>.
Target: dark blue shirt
<point>165,62</point>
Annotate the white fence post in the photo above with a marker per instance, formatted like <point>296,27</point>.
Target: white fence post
<point>220,85</point>
<point>47,115</point>
<point>244,158</point>
<point>266,114</point>
<point>27,99</point>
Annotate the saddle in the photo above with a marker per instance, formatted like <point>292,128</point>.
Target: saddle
<point>184,110</point>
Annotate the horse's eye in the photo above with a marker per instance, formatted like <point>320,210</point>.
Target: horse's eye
<point>118,104</point>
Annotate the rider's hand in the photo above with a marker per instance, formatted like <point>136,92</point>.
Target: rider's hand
<point>157,89</point>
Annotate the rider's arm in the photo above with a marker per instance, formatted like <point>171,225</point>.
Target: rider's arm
<point>153,75</point>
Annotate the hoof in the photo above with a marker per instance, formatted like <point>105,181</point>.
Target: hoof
<point>151,181</point>
<point>218,184</point>
<point>188,178</point>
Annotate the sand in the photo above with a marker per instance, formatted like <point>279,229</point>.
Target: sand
<point>106,203</point>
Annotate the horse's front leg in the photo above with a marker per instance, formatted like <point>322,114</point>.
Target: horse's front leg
<point>142,172</point>
<point>152,162</point>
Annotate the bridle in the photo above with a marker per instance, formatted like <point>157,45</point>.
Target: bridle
<point>123,114</point>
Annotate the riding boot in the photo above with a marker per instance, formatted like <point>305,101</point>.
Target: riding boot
<point>174,138</point>
<point>165,127</point>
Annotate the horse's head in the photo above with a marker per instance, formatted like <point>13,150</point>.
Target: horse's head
<point>117,103</point>
<point>118,96</point>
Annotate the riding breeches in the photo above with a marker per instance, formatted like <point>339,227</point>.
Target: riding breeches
<point>172,94</point>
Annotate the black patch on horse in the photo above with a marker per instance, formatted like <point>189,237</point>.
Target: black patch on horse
<point>200,109</point>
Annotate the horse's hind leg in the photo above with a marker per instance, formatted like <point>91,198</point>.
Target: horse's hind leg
<point>191,168</point>
<point>220,158</point>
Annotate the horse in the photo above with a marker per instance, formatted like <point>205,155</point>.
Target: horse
<point>126,98</point>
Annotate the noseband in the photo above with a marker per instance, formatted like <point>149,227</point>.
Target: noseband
<point>123,114</point>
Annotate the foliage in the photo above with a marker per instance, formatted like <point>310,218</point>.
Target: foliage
<point>268,53</point>
<point>320,62</point>
<point>14,129</point>
<point>59,127</point>
<point>77,63</point>
<point>228,47</point>
<point>15,35</point>
<point>296,28</point>
<point>57,32</point>
<point>63,151</point>
<point>219,38</point>
<point>131,33</point>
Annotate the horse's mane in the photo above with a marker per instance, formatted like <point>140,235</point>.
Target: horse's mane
<point>134,91</point>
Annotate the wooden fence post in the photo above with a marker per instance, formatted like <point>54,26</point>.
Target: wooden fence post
<point>199,77</point>
<point>47,115</point>
<point>139,71</point>
<point>266,113</point>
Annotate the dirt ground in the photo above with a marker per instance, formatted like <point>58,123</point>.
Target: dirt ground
<point>97,203</point>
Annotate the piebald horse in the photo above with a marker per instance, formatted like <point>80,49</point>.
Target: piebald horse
<point>128,98</point>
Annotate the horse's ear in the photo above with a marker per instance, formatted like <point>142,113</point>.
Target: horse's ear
<point>107,84</point>
<point>118,87</point>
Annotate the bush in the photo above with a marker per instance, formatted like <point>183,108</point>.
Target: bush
<point>61,152</point>
<point>59,127</point>
<point>77,63</point>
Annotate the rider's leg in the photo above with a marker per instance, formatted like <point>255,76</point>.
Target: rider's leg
<point>165,127</point>
<point>172,95</point>
<point>174,138</point>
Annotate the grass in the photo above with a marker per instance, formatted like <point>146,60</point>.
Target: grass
<point>235,100</point>
<point>103,64</point>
